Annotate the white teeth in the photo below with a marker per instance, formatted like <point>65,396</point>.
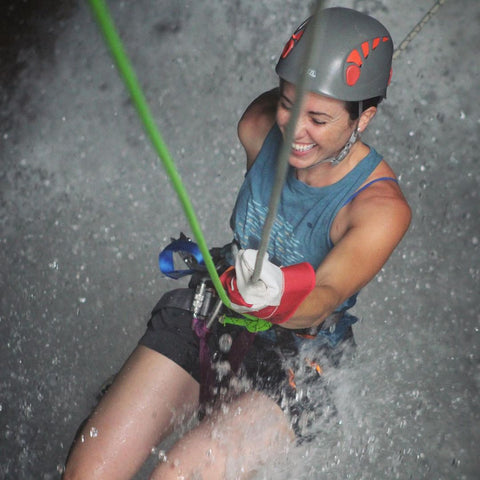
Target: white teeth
<point>302,148</point>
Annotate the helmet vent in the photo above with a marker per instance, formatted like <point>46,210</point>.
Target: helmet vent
<point>294,39</point>
<point>351,60</point>
<point>355,60</point>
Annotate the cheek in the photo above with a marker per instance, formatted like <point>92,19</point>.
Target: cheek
<point>282,117</point>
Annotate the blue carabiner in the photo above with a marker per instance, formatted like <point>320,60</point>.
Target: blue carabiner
<point>182,246</point>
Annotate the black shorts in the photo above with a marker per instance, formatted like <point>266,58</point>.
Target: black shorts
<point>279,362</point>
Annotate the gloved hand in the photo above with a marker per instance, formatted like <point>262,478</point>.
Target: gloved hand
<point>277,293</point>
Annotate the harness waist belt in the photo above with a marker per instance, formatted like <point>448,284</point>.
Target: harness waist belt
<point>181,298</point>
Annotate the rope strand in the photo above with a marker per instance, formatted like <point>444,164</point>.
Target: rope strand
<point>416,29</point>
<point>282,163</point>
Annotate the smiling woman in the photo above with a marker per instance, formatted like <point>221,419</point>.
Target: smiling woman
<point>324,131</point>
<point>341,215</point>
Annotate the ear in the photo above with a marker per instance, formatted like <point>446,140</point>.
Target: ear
<point>366,117</point>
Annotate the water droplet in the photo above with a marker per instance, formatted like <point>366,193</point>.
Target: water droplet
<point>225,342</point>
<point>162,456</point>
<point>54,264</point>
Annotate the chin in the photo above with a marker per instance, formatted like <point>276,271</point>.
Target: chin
<point>301,162</point>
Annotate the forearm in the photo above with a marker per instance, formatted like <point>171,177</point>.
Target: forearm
<point>318,305</point>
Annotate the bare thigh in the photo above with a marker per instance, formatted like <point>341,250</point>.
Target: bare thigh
<point>137,412</point>
<point>231,443</point>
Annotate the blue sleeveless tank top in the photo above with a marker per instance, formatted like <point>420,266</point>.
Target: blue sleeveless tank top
<point>301,231</point>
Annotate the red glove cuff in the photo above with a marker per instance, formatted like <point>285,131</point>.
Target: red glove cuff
<point>299,281</point>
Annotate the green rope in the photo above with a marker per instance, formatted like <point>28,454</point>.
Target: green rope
<point>112,39</point>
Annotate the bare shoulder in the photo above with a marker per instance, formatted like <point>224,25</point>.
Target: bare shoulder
<point>256,122</point>
<point>380,210</point>
<point>382,207</point>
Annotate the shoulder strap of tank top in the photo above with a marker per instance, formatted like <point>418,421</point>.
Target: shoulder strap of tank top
<point>366,186</point>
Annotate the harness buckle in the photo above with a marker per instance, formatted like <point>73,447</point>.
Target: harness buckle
<point>202,299</point>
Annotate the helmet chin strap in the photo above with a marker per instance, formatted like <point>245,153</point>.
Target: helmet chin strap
<point>341,155</point>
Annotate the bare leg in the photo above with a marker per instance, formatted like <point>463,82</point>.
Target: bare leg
<point>136,413</point>
<point>232,443</point>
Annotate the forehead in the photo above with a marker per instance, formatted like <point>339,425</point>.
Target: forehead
<point>312,101</point>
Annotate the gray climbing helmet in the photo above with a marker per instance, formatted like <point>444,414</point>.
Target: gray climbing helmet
<point>352,61</point>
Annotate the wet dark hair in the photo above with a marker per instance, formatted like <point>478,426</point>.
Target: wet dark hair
<point>353,107</point>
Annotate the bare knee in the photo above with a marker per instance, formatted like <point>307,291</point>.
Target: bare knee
<point>235,440</point>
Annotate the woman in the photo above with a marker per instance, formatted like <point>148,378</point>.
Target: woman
<point>340,217</point>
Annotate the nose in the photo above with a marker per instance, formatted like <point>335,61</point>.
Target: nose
<point>284,117</point>
<point>300,126</point>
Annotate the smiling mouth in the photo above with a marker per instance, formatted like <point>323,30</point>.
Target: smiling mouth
<point>302,148</point>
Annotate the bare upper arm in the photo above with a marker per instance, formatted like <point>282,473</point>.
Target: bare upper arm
<point>376,225</point>
<point>376,222</point>
<point>256,122</point>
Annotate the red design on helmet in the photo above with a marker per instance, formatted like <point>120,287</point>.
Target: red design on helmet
<point>356,59</point>
<point>345,34</point>
<point>365,49</point>
<point>297,35</point>
<point>352,72</point>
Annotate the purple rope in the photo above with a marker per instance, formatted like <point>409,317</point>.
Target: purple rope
<point>206,372</point>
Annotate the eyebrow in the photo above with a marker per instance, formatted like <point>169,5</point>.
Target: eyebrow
<point>311,112</point>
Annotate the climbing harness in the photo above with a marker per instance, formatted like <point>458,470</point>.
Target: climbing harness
<point>189,253</point>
